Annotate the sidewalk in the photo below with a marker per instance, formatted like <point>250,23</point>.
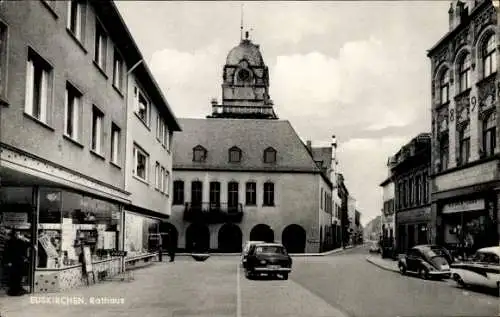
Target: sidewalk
<point>386,264</point>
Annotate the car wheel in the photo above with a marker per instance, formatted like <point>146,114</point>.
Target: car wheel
<point>423,274</point>
<point>285,276</point>
<point>402,269</point>
<point>459,280</point>
<point>248,275</point>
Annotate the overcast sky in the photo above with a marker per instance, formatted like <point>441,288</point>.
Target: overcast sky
<point>357,69</point>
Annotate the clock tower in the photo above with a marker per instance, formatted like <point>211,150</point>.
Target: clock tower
<point>245,86</point>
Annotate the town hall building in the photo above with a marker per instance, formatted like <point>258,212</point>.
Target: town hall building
<point>243,174</point>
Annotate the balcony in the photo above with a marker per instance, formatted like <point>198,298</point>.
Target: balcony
<point>211,213</point>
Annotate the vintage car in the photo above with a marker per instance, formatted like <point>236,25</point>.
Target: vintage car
<point>483,269</point>
<point>374,247</point>
<point>268,258</point>
<point>427,261</point>
<point>246,248</point>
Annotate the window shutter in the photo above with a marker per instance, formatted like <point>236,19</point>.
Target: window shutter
<point>30,69</point>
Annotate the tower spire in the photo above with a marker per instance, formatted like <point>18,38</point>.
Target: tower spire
<point>241,23</point>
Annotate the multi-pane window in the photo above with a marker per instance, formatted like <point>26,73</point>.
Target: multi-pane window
<point>214,194</point>
<point>464,73</point>
<point>489,57</point>
<point>75,18</point>
<point>444,145</point>
<point>37,87</point>
<point>444,84</point>
<point>232,194</point>
<point>251,193</point>
<point>196,193</point>
<point>418,189</point>
<point>72,112</point>
<point>166,139</point>
<point>178,193</point>
<point>321,199</point>
<point>117,71</point>
<point>425,186</point>
<point>115,143</point>
<point>3,59</point>
<point>411,191</point>
<point>97,131</point>
<point>142,105</point>
<point>489,135</point>
<point>160,126</point>
<point>199,154</point>
<point>269,155</point>
<point>464,144</point>
<point>234,155</point>
<point>141,163</point>
<point>100,46</point>
<point>268,194</point>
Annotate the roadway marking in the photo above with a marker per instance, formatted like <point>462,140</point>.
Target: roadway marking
<point>238,292</point>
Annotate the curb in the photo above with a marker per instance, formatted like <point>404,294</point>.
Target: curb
<point>368,259</point>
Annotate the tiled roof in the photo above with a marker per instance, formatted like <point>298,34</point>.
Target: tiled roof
<point>252,136</point>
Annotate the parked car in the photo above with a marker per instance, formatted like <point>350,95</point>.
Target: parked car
<point>374,247</point>
<point>246,249</point>
<point>427,261</point>
<point>482,270</point>
<point>268,258</point>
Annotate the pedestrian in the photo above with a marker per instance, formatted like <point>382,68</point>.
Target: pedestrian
<point>160,248</point>
<point>171,248</point>
<point>15,258</point>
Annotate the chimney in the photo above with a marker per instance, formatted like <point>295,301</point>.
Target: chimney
<point>333,167</point>
<point>309,145</point>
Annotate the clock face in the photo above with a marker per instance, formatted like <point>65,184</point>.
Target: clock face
<point>243,75</point>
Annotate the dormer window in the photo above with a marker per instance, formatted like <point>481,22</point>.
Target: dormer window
<point>199,153</point>
<point>234,155</point>
<point>269,155</point>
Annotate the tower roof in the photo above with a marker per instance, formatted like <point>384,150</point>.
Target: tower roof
<point>245,50</point>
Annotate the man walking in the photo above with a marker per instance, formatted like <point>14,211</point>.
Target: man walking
<point>16,259</point>
<point>171,247</point>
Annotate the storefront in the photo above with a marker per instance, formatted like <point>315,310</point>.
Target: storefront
<point>413,227</point>
<point>469,223</point>
<point>142,237</point>
<point>63,224</point>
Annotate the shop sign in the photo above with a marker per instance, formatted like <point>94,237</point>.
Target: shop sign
<point>461,206</point>
<point>14,219</point>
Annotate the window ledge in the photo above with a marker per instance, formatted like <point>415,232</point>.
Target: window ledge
<point>45,125</point>
<point>4,101</point>
<point>75,142</point>
<point>73,36</point>
<point>118,91</point>
<point>99,155</point>
<point>50,8</point>
<point>141,180</point>
<point>486,79</point>
<point>142,121</point>
<point>102,71</point>
<point>115,164</point>
<point>266,205</point>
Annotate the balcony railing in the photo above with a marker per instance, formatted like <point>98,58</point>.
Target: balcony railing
<point>213,212</point>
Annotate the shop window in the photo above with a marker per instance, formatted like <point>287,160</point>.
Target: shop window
<point>84,222</point>
<point>141,234</point>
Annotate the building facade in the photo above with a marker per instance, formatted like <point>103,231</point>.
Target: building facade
<point>242,174</point>
<point>410,173</point>
<point>344,216</point>
<point>388,223</point>
<point>63,134</point>
<point>465,150</point>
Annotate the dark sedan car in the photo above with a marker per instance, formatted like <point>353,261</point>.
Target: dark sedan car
<point>427,261</point>
<point>268,258</point>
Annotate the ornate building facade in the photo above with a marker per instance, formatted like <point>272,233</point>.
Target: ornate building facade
<point>241,174</point>
<point>465,149</point>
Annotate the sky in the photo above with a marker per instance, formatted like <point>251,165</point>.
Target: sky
<point>355,69</point>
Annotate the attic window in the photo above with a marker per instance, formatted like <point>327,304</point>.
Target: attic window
<point>269,155</point>
<point>199,154</point>
<point>234,155</point>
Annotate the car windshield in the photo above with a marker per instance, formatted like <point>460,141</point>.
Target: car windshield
<point>270,249</point>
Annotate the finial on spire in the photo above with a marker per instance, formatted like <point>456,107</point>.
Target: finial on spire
<point>241,23</point>
<point>246,35</point>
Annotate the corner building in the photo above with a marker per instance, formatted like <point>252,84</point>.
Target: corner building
<point>241,174</point>
<point>465,148</point>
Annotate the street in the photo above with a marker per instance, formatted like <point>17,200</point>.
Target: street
<point>337,285</point>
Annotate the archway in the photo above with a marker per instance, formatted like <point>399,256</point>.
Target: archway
<point>230,238</point>
<point>197,238</point>
<point>262,232</point>
<point>169,235</point>
<point>294,239</point>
